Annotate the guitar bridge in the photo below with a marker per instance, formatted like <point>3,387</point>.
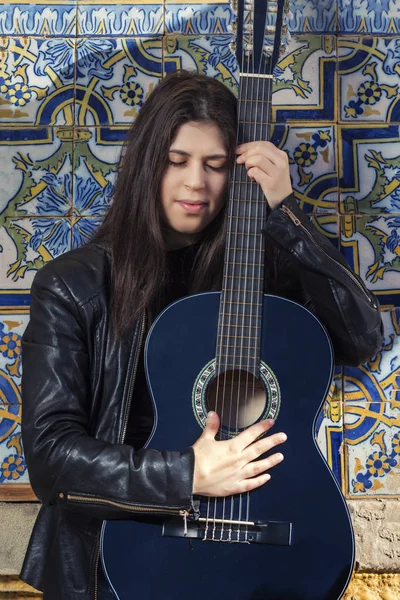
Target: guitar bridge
<point>276,533</point>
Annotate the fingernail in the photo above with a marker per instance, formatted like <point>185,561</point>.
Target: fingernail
<point>283,437</point>
<point>280,456</point>
<point>270,422</point>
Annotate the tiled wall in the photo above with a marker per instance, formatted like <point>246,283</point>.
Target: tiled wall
<point>73,75</point>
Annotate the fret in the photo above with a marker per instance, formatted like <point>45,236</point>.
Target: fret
<point>239,292</point>
<point>247,227</point>
<point>257,122</point>
<point>250,218</point>
<point>242,337</point>
<point>234,248</point>
<point>248,264</point>
<point>242,303</point>
<point>260,201</point>
<point>245,277</point>
<point>239,316</point>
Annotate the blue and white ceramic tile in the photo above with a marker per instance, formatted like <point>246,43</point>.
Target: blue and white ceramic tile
<point>96,159</point>
<point>12,462</point>
<point>216,18</point>
<point>304,85</point>
<point>372,417</point>
<point>209,55</point>
<point>378,380</point>
<point>369,16</point>
<point>368,79</point>
<point>312,158</point>
<point>329,427</point>
<point>44,19</point>
<point>114,77</point>
<point>115,18</point>
<point>372,446</point>
<point>371,246</point>
<point>369,169</point>
<point>35,172</point>
<point>36,81</point>
<point>313,16</point>
<point>26,244</point>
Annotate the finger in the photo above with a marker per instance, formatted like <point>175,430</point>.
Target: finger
<point>253,451</point>
<point>256,467</point>
<point>267,149</point>
<point>260,177</point>
<point>249,435</point>
<point>247,485</point>
<point>212,426</point>
<point>261,162</point>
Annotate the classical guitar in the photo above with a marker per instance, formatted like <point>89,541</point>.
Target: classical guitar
<point>249,356</point>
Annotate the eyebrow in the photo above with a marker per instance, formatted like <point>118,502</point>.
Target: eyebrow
<point>210,157</point>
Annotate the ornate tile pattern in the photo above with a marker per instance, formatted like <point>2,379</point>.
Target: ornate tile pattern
<point>41,18</point>
<point>371,248</point>
<point>37,81</point>
<point>312,158</point>
<point>304,88</point>
<point>114,78</point>
<point>120,18</point>
<point>369,79</point>
<point>203,19</point>
<point>12,462</point>
<point>369,162</point>
<point>372,417</point>
<point>316,16</point>
<point>368,16</point>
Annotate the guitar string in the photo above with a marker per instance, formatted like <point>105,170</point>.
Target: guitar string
<point>221,333</point>
<point>244,250</point>
<point>236,207</point>
<point>242,103</point>
<point>266,108</point>
<point>254,136</point>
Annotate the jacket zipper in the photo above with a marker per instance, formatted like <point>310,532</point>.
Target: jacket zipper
<point>125,425</point>
<point>298,223</point>
<point>128,507</point>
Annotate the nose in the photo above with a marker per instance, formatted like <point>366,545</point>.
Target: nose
<point>195,177</point>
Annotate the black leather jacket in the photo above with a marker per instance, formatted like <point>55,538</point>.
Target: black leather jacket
<point>77,387</point>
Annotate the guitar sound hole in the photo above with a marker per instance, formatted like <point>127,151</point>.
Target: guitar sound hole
<point>237,397</point>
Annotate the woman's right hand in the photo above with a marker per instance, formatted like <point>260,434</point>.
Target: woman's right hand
<point>227,467</point>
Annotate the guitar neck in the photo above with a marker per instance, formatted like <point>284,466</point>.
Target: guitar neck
<point>239,325</point>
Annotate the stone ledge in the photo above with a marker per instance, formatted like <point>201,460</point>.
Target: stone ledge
<point>363,586</point>
<point>12,588</point>
<point>374,586</point>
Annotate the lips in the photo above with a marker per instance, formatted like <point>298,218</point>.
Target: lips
<point>192,207</point>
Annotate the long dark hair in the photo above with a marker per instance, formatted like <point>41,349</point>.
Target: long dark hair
<point>132,228</point>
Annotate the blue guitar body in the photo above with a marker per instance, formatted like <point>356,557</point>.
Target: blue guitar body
<point>306,549</point>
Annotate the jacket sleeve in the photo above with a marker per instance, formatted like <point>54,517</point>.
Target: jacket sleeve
<point>311,271</point>
<point>65,463</point>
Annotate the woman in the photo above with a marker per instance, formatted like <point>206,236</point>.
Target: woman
<point>87,412</point>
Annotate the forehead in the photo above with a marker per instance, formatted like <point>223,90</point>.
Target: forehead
<point>199,137</point>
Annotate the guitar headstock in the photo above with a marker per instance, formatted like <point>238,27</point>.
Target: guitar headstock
<point>262,34</point>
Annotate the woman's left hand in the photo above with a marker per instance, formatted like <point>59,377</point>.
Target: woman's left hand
<point>269,167</point>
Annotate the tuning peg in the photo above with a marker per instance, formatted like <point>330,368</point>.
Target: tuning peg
<point>270,29</point>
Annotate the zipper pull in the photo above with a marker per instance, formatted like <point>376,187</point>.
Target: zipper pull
<point>291,216</point>
<point>184,513</point>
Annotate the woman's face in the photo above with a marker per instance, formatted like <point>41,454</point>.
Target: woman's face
<point>193,184</point>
